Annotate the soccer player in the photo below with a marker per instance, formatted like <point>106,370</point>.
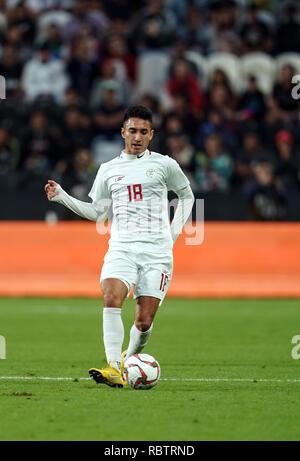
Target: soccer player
<point>135,183</point>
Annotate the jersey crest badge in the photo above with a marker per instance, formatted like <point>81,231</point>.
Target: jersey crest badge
<point>151,172</point>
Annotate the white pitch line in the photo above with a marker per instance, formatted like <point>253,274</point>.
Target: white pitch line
<point>42,378</point>
<point>214,380</point>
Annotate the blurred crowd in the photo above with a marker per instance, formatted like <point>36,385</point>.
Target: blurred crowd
<point>73,66</point>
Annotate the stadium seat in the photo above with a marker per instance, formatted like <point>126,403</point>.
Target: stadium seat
<point>288,58</point>
<point>230,64</point>
<point>201,64</point>
<point>152,72</point>
<point>261,66</point>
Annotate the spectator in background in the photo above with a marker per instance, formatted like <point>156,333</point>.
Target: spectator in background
<point>44,78</point>
<point>219,77</point>
<point>179,52</point>
<point>11,68</point>
<point>72,98</point>
<point>119,27</point>
<point>23,18</point>
<point>266,199</point>
<point>110,73</point>
<point>288,33</point>
<point>92,42</point>
<point>9,153</point>
<point>54,42</point>
<point>79,177</point>
<point>82,68</point>
<point>152,103</point>
<point>251,154</point>
<point>221,99</point>
<point>220,33</point>
<point>287,164</point>
<point>153,27</point>
<point>83,15</point>
<point>115,49</point>
<point>172,124</point>
<point>109,114</point>
<point>252,102</point>
<point>38,153</point>
<point>272,122</point>
<point>121,9</point>
<point>213,167</point>
<point>180,148</point>
<point>76,134</point>
<point>42,5</point>
<point>107,119</point>
<point>215,124</point>
<point>286,107</point>
<point>182,110</point>
<point>39,150</point>
<point>255,33</point>
<point>195,34</point>
<point>183,81</point>
<point>56,16</point>
<point>14,37</point>
<point>178,9</point>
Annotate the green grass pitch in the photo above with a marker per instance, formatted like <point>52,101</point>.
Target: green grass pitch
<point>227,372</point>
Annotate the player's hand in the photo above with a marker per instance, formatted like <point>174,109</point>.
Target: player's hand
<point>51,189</point>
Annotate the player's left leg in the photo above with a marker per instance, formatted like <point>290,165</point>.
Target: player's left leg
<point>151,286</point>
<point>141,329</point>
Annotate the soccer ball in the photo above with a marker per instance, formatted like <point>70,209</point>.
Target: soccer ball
<point>141,371</point>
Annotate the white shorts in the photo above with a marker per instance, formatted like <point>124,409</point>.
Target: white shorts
<point>150,274</point>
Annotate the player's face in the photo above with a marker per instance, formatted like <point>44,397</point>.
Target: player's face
<point>137,134</point>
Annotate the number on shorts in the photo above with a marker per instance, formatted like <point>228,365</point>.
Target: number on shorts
<point>164,279</point>
<point>135,192</point>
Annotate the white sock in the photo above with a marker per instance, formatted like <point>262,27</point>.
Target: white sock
<point>138,340</point>
<point>113,335</point>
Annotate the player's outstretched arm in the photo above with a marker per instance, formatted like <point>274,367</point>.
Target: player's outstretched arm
<point>55,193</point>
<point>184,207</point>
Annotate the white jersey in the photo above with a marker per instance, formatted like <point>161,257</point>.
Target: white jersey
<point>137,186</point>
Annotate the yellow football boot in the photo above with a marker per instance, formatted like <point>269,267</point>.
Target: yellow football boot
<point>109,376</point>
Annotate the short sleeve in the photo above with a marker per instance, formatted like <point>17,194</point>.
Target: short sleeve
<point>99,190</point>
<point>175,179</point>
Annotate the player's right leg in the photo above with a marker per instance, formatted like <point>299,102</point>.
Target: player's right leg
<point>114,291</point>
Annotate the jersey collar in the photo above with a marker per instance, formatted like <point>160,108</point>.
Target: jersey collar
<point>125,156</point>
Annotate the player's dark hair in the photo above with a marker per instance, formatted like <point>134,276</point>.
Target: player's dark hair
<point>138,112</point>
